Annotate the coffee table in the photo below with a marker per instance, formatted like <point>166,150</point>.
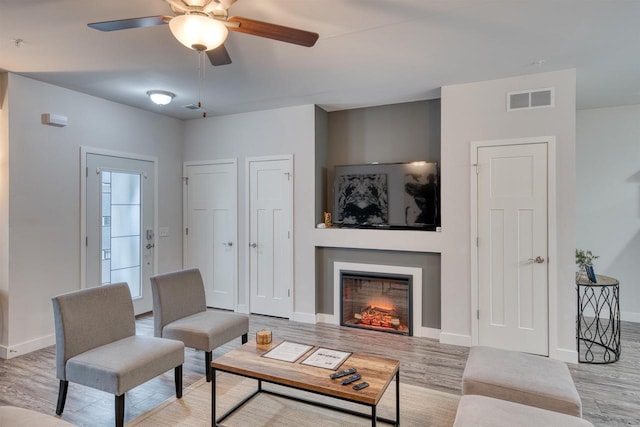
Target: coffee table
<point>247,361</point>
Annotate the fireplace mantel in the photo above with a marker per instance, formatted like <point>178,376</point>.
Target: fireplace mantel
<point>393,240</point>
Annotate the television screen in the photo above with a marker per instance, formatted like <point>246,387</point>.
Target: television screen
<point>387,195</point>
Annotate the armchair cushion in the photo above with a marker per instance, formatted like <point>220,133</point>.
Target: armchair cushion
<point>119,366</point>
<point>207,330</point>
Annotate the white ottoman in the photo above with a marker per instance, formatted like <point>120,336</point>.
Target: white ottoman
<point>482,411</point>
<point>522,378</point>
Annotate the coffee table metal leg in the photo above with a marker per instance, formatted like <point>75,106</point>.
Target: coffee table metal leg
<point>213,397</point>
<point>373,416</point>
<point>398,397</point>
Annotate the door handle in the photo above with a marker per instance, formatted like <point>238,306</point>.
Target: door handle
<point>537,260</point>
<point>253,245</point>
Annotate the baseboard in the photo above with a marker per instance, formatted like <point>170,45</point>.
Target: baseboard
<point>455,339</point>
<point>27,347</point>
<point>430,333</point>
<point>326,318</point>
<point>630,316</point>
<point>567,356</point>
<point>242,308</point>
<point>304,317</point>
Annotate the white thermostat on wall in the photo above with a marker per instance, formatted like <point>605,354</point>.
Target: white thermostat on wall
<point>54,120</point>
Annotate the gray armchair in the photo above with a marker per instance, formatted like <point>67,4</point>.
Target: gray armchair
<point>97,345</point>
<point>180,313</point>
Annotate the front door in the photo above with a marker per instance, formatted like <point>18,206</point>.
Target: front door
<point>210,234</point>
<point>120,224</point>
<point>270,239</point>
<point>512,247</point>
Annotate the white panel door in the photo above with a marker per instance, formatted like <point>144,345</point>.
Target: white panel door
<point>270,248</point>
<point>512,247</point>
<point>120,225</point>
<point>211,230</point>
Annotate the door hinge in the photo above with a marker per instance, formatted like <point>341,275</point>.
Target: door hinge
<point>86,241</point>
<point>477,242</point>
<point>288,176</point>
<point>86,171</point>
<point>186,231</point>
<point>289,293</point>
<point>477,168</point>
<point>288,234</point>
<point>186,180</point>
<point>478,314</point>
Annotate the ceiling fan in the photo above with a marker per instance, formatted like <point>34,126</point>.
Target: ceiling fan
<point>203,25</point>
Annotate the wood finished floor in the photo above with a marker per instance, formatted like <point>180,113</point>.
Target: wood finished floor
<point>610,393</point>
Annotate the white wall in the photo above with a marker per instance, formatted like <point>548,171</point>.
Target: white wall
<point>264,133</point>
<point>44,210</point>
<point>477,112</point>
<point>608,197</point>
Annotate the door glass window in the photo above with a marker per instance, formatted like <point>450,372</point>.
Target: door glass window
<point>121,229</point>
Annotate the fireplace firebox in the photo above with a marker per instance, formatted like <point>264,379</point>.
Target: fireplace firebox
<point>376,301</point>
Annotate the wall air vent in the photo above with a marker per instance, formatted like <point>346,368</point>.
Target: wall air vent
<point>193,107</point>
<point>530,99</point>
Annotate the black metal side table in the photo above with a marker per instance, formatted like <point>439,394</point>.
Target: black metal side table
<point>598,326</point>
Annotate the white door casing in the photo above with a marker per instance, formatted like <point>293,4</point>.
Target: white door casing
<point>210,216</point>
<point>131,256</point>
<point>270,251</point>
<point>511,229</point>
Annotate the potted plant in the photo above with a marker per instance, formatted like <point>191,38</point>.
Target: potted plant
<point>584,258</point>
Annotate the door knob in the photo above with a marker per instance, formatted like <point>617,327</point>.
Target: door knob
<point>253,245</point>
<point>537,260</point>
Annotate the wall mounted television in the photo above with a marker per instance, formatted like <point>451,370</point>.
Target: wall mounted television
<point>387,196</point>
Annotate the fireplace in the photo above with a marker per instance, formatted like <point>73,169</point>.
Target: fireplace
<point>376,301</point>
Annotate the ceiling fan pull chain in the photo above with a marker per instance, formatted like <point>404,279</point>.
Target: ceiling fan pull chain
<point>204,82</point>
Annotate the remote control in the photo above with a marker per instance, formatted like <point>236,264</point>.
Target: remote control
<point>360,386</point>
<point>343,373</point>
<point>351,379</point>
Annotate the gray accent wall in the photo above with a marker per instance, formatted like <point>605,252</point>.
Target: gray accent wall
<point>428,262</point>
<point>396,133</point>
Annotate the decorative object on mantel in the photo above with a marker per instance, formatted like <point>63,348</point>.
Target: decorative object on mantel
<point>326,216</point>
<point>584,260</point>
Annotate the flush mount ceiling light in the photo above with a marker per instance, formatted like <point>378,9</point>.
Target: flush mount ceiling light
<point>198,32</point>
<point>160,97</point>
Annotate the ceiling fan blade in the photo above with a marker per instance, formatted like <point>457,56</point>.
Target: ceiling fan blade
<point>273,31</point>
<point>125,24</point>
<point>219,56</point>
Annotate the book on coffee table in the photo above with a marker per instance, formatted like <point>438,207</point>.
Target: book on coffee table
<point>326,358</point>
<point>288,351</point>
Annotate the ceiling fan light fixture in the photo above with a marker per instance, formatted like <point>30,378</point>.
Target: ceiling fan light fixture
<point>160,97</point>
<point>198,32</point>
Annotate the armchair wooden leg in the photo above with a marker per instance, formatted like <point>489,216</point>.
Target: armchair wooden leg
<point>120,410</point>
<point>178,380</point>
<point>207,364</point>
<point>244,338</point>
<point>62,396</point>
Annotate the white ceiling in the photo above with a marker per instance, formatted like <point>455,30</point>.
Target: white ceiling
<point>370,52</point>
